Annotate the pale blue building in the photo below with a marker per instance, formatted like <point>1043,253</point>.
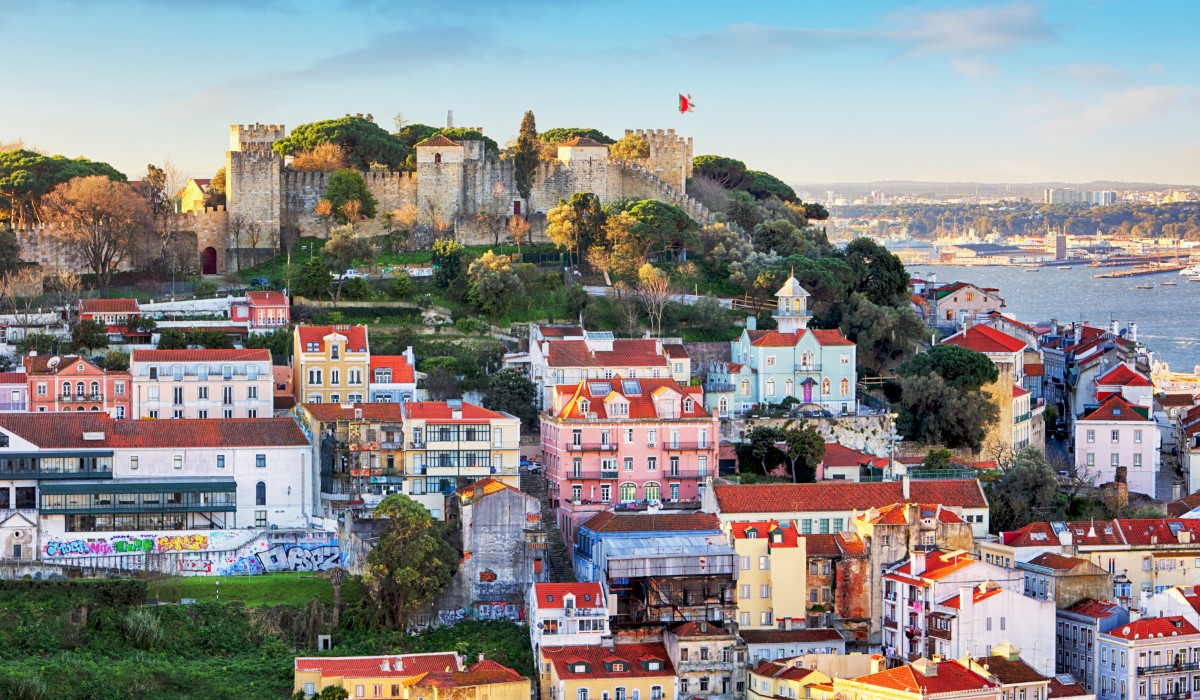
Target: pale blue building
<point>815,366</point>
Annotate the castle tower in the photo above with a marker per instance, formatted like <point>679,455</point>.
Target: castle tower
<point>440,177</point>
<point>253,174</point>
<point>791,312</point>
<point>670,156</point>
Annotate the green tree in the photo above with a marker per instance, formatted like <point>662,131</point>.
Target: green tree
<point>215,196</point>
<point>363,141</point>
<point>762,445</point>
<point>41,343</point>
<point>412,134</point>
<point>938,458</point>
<point>766,185</point>
<point>780,236</point>
<point>525,155</point>
<point>402,284</point>
<point>804,447</point>
<point>99,218</point>
<point>932,412</point>
<point>209,339</point>
<point>959,367</point>
<point>439,363</point>
<point>576,224</point>
<point>491,149</point>
<point>494,283</point>
<point>171,339</point>
<point>879,273</point>
<point>630,147</point>
<point>1026,492</point>
<point>278,341</point>
<point>659,227</point>
<point>561,134</point>
<point>344,250</point>
<point>89,335</point>
<point>314,281</point>
<point>447,261</point>
<point>10,251</point>
<point>708,317</point>
<point>744,210</point>
<point>27,176</point>
<point>511,391</point>
<point>143,324</point>
<point>411,563</point>
<point>815,212</point>
<point>886,336</point>
<point>728,172</point>
<point>114,361</point>
<point>347,186</point>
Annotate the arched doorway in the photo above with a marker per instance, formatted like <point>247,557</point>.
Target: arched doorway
<point>208,261</point>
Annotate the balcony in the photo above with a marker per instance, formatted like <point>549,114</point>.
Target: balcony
<point>1021,418</point>
<point>939,634</point>
<point>80,398</point>
<point>718,387</point>
<point>335,497</point>
<point>1168,668</point>
<point>890,622</point>
<point>1181,695</point>
<point>592,447</point>
<point>680,445</point>
<point>585,612</point>
<point>808,369</point>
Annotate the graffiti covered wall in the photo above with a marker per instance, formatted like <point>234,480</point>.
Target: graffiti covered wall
<point>216,552</point>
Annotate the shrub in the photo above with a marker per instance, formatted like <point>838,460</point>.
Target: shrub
<point>357,290</point>
<point>402,285</point>
<point>142,628</point>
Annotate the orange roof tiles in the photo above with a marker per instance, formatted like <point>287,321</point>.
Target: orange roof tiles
<point>1010,672</point>
<point>372,666</point>
<point>699,628</point>
<point>109,306</point>
<point>583,141</point>
<point>587,595</point>
<point>40,364</point>
<point>1154,627</point>
<point>1116,408</point>
<point>438,140</point>
<point>402,372</point>
<point>328,412</point>
<point>610,521</point>
<point>218,355</point>
<point>14,378</point>
<point>631,656</point>
<point>266,299</point>
<point>821,546</point>
<point>626,352</point>
<point>641,404</point>
<point>1121,375</point>
<point>986,339</point>
<point>977,596</point>
<point>837,455</point>
<point>777,636</point>
<point>1058,689</point>
<point>777,339</point>
<point>1094,608</point>
<point>1050,560</point>
<point>938,565</point>
<point>844,495</point>
<point>65,431</point>
<point>951,677</point>
<point>441,412</point>
<point>356,336</point>
<point>1018,392</point>
<point>764,531</point>
<point>1186,504</point>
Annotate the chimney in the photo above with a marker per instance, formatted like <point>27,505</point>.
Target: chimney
<point>702,625</point>
<point>1185,537</point>
<point>1114,327</point>
<point>1078,329</point>
<point>906,486</point>
<point>606,642</point>
<point>965,598</point>
<point>1133,332</point>
<point>917,562</point>
<point>358,414</point>
<point>1122,476</point>
<point>480,658</point>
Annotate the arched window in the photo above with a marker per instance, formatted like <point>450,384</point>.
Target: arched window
<point>95,388</point>
<point>79,388</point>
<point>584,406</point>
<point>845,387</point>
<point>807,358</point>
<point>651,490</point>
<point>745,387</point>
<point>788,388</point>
<point>723,406</point>
<point>437,157</point>
<point>94,408</point>
<point>66,389</point>
<point>689,406</point>
<point>628,492</point>
<point>770,387</point>
<point>260,493</point>
<point>825,387</point>
<point>66,408</point>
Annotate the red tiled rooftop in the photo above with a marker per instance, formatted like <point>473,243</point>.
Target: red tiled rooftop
<point>777,636</point>
<point>109,306</point>
<point>1121,375</point>
<point>1116,408</point>
<point>1094,608</point>
<point>641,404</point>
<point>764,531</point>
<point>258,298</point>
<point>587,595</point>
<point>201,355</point>
<point>610,521</point>
<point>1154,627</point>
<point>938,565</point>
<point>438,141</point>
<point>1186,504</point>
<point>360,411</point>
<point>356,336</point>
<point>1058,562</point>
<point>776,339</point>
<point>1156,531</point>
<point>986,339</point>
<point>951,677</point>
<point>14,378</point>
<point>402,372</point>
<point>372,666</point>
<point>633,656</point>
<point>1057,689</point>
<point>66,430</point>
<point>1018,392</point>
<point>1010,672</point>
<point>626,352</point>
<point>584,142</point>
<point>977,596</point>
<point>838,455</point>
<point>441,412</point>
<point>844,495</point>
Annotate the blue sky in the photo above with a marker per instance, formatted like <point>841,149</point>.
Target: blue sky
<point>812,91</point>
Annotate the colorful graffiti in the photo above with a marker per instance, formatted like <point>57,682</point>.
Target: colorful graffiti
<point>285,557</point>
<point>195,566</point>
<point>499,611</point>
<point>125,544</point>
<point>182,543</point>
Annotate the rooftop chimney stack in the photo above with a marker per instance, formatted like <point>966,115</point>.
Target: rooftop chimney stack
<point>1133,331</point>
<point>917,561</point>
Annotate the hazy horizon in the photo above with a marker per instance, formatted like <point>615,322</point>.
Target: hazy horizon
<point>1017,92</point>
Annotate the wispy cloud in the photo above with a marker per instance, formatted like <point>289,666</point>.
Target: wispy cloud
<point>974,67</point>
<point>1087,72</point>
<point>1114,109</point>
<point>971,31</point>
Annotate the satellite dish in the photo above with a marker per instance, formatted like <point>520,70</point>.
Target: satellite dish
<point>52,363</point>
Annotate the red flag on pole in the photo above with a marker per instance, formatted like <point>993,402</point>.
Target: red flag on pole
<point>686,104</point>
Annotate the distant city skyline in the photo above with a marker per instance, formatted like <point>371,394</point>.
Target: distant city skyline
<point>1067,91</point>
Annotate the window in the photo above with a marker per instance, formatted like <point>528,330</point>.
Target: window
<point>314,376</point>
<point>628,492</point>
<point>154,373</point>
<point>177,396</point>
<point>744,619</point>
<point>764,563</point>
<point>629,435</point>
<point>151,393</point>
<point>744,565</point>
<point>260,518</point>
<point>1137,460</point>
<point>202,372</point>
<point>178,461</point>
<point>745,387</point>
<point>825,387</point>
<point>41,389</point>
<point>770,387</point>
<point>227,372</point>
<point>651,491</point>
<point>744,591</point>
<point>133,462</point>
<point>260,493</point>
<point>250,413</point>
<point>1091,459</point>
<point>334,377</point>
<point>764,591</point>
<point>652,463</point>
<point>845,387</point>
<point>359,691</point>
<point>119,387</point>
<point>252,392</point>
<point>1115,459</point>
<point>202,393</point>
<point>765,617</point>
<point>177,413</point>
<point>770,360</point>
<point>220,461</point>
<point>581,694</point>
<point>1137,436</point>
<point>605,493</point>
<point>1116,436</point>
<point>260,461</point>
<point>1091,436</point>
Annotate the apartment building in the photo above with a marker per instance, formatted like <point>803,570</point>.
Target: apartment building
<point>567,614</point>
<point>74,383</point>
<point>1154,658</point>
<point>633,671</point>
<point>330,364</point>
<point>772,591</point>
<point>436,676</point>
<point>1078,628</point>
<point>1119,434</point>
<point>202,383</point>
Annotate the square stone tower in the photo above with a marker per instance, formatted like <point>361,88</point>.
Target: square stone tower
<point>254,174</point>
<point>670,156</point>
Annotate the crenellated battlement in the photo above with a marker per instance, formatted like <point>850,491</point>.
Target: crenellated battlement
<point>670,155</point>
<point>254,137</point>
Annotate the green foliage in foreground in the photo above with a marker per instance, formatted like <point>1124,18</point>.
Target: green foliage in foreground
<point>81,640</point>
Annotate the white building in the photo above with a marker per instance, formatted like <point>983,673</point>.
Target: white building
<point>1154,658</point>
<point>978,619</point>
<point>567,614</point>
<point>202,383</point>
<point>1119,434</point>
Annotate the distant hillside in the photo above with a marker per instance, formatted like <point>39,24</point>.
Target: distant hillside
<point>1032,190</point>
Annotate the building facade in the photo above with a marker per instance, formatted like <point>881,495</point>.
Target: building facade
<point>613,671</point>
<point>771,575</point>
<point>436,676</point>
<point>392,378</point>
<point>202,383</point>
<point>567,614</point>
<point>1119,434</point>
<point>330,364</point>
<point>1156,658</point>
<point>262,311</point>
<point>73,383</point>
<point>359,455</point>
<point>1078,628</point>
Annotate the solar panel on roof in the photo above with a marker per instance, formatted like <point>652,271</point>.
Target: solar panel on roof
<point>600,335</point>
<point>631,387</point>
<point>1175,528</point>
<point>600,388</point>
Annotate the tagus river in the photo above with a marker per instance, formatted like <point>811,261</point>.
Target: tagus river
<point>1168,317</point>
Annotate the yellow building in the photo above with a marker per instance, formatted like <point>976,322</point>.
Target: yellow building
<point>771,574</point>
<point>782,678</point>
<point>616,672</point>
<point>921,680</point>
<point>331,364</point>
<point>191,197</point>
<point>436,676</point>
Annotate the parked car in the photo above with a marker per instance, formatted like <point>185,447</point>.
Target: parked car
<point>260,283</point>
<point>352,274</point>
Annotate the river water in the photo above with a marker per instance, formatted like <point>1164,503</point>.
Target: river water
<point>1168,318</point>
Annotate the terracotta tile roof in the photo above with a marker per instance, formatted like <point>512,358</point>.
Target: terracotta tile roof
<point>356,336</point>
<point>821,546</point>
<point>441,412</point>
<point>837,455</point>
<point>595,657</point>
<point>626,352</point>
<point>831,337</point>
<point>1083,532</point>
<point>66,430</point>
<point>1175,400</point>
<point>1152,531</point>
<point>776,339</point>
<point>977,596</point>
<point>1010,672</point>
<point>610,521</point>
<point>40,364</point>
<point>1175,509</point>
<point>1050,560</point>
<point>986,339</point>
<point>1035,369</point>
<point>851,544</point>
<point>14,378</point>
<point>693,628</point>
<point>804,636</point>
<point>1001,318</point>
<point>222,355</point>
<point>1154,627</point>
<point>559,331</point>
<point>897,514</point>
<point>1058,689</point>
<point>1094,608</point>
<point>402,372</point>
<point>1191,596</point>
<point>266,299</point>
<point>1116,408</point>
<point>109,306</point>
<point>485,672</point>
<point>438,141</point>
<point>675,351</point>
<point>372,666</point>
<point>764,530</point>
<point>938,565</point>
<point>329,412</point>
<point>489,485</point>
<point>1121,375</point>
<point>844,495</point>
<point>599,393</point>
<point>951,677</point>
<point>1018,392</point>
<point>587,595</point>
<point>583,141</point>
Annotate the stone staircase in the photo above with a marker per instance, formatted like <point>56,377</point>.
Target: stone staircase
<point>557,561</point>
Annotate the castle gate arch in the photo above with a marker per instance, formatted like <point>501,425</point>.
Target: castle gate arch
<point>208,261</point>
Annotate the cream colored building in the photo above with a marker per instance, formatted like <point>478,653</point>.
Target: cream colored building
<point>434,676</point>
<point>782,678</point>
<point>613,671</point>
<point>771,574</point>
<point>202,383</point>
<point>331,364</point>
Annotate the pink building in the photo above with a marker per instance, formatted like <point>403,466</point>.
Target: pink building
<point>626,444</point>
<point>1119,434</point>
<point>263,311</point>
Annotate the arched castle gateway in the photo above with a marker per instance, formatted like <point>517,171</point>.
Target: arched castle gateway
<point>454,185</point>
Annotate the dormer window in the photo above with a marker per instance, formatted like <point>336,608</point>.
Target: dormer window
<point>618,667</point>
<point>334,352</point>
<point>689,406</point>
<point>751,533</point>
<point>585,406</point>
<point>579,668</point>
<point>312,347</point>
<point>652,665</point>
<point>777,537</point>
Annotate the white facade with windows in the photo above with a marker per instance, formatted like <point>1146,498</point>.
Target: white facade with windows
<point>202,384</point>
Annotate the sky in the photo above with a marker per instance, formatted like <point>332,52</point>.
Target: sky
<point>1069,90</point>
